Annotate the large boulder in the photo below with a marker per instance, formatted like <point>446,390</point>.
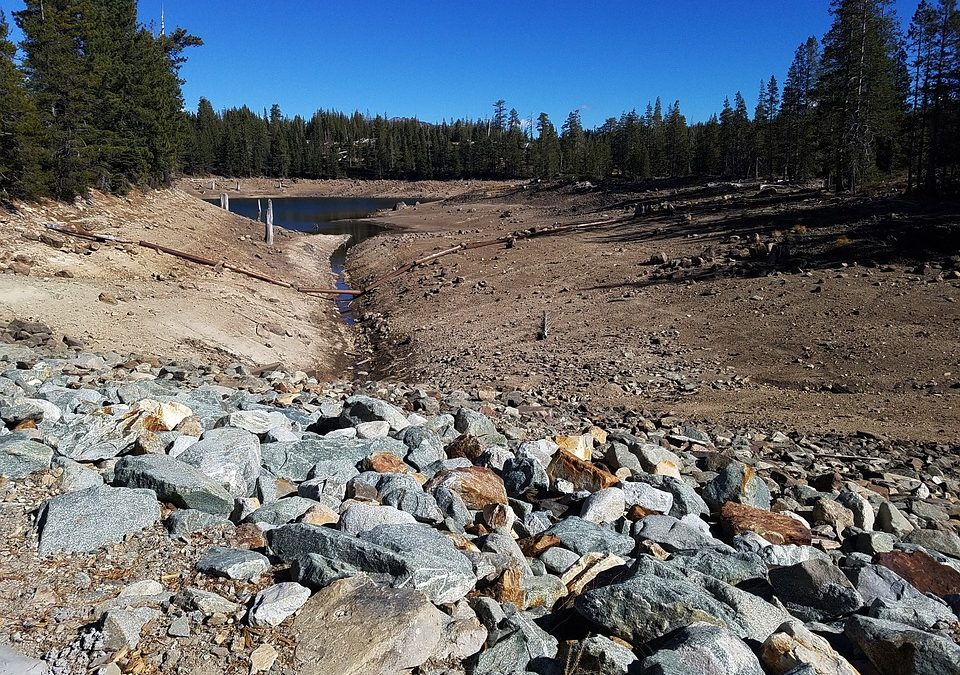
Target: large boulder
<point>90,519</point>
<point>175,482</point>
<point>355,627</point>
<point>702,648</point>
<point>229,456</point>
<point>20,456</point>
<point>815,590</point>
<point>897,649</point>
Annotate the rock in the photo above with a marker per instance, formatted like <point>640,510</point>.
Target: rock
<point>90,519</point>
<point>862,510</point>
<point>262,658</point>
<point>425,446</point>
<point>945,542</point>
<point>737,483</point>
<point>274,604</point>
<point>385,462</point>
<point>580,446</point>
<point>185,522</point>
<point>122,627</point>
<point>685,500</point>
<point>649,606</point>
<point>923,612</point>
<point>581,536</point>
<point>673,535</point>
<point>160,416</point>
<point>730,568</point>
<point>776,528</point>
<point>358,409</point>
<point>826,511</point>
<point>12,663</point>
<point>472,423</point>
<point>282,511</point>
<point>295,461</point>
<point>869,542</point>
<point>419,504</point>
<point>891,520</point>
<point>650,498</point>
<point>19,457</point>
<point>179,627</point>
<point>411,555</point>
<point>359,517</point>
<point>229,456</point>
<point>604,506</point>
<point>922,572</point>
<point>174,481</point>
<point>205,602</point>
<point>598,655</point>
<point>894,648</point>
<point>582,475</point>
<point>524,474</point>
<point>793,645</point>
<point>702,648</point>
<point>233,563</point>
<point>477,486</point>
<point>462,638</point>
<point>342,631</point>
<point>257,422</point>
<point>88,438</point>
<point>378,429</point>
<point>76,476</point>
<point>524,646</point>
<point>586,569</point>
<point>815,590</point>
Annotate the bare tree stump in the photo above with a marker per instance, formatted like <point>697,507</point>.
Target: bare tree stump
<point>268,234</point>
<point>224,201</point>
<point>213,183</point>
<point>238,186</point>
<point>259,211</point>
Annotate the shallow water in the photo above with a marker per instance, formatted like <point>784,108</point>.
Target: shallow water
<point>322,215</point>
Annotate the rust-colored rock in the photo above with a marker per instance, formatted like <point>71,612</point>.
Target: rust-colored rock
<point>583,475</point>
<point>509,587</point>
<point>637,512</point>
<point>476,485</point>
<point>249,536</point>
<point>465,446</point>
<point>386,462</point>
<point>774,527</point>
<point>498,516</point>
<point>533,546</point>
<point>925,573</point>
<point>321,514</point>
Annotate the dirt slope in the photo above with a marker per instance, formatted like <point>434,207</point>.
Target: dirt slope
<point>165,305</point>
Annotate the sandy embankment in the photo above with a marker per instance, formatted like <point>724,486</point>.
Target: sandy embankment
<point>166,305</point>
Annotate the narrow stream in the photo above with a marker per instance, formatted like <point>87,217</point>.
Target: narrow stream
<point>323,215</point>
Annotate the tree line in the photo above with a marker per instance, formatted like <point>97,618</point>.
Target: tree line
<point>95,103</point>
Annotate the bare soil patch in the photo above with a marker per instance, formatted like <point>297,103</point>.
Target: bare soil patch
<point>784,306</point>
<point>127,298</point>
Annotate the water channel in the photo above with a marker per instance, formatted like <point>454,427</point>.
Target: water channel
<point>323,215</point>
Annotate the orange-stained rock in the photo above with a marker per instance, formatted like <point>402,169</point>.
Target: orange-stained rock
<point>637,512</point>
<point>249,536</point>
<point>476,485</point>
<point>386,462</point>
<point>583,475</point>
<point>321,514</point>
<point>533,546</point>
<point>509,587</point>
<point>580,446</point>
<point>498,516</point>
<point>465,446</point>
<point>774,527</point>
<point>667,468</point>
<point>922,571</point>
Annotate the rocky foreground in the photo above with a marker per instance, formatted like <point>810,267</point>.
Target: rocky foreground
<point>176,518</point>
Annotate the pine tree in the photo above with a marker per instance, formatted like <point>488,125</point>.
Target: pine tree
<point>20,132</point>
<point>860,101</point>
<point>207,137</point>
<point>573,145</point>
<point>798,140</point>
<point>279,147</point>
<point>548,148</point>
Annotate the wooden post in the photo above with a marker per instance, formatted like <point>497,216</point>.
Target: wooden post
<point>238,185</point>
<point>268,235</point>
<point>213,183</point>
<point>224,201</point>
<point>259,211</point>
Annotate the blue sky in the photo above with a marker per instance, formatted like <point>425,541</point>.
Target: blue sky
<point>444,59</point>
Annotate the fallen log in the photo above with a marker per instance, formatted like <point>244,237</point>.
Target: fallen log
<point>92,237</point>
<point>212,263</point>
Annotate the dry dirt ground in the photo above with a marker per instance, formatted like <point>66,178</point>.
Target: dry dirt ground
<point>126,298</point>
<point>785,306</point>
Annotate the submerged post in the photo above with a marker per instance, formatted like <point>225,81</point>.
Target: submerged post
<point>259,211</point>
<point>268,235</point>
<point>224,201</point>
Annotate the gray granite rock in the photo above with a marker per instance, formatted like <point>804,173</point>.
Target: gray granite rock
<point>702,648</point>
<point>294,461</point>
<point>604,506</point>
<point>647,496</point>
<point>281,511</point>
<point>14,663</point>
<point>233,563</point>
<point>894,648</point>
<point>599,655</point>
<point>229,456</point>
<point>360,408</point>
<point>76,476</point>
<point>582,537</point>
<point>815,590</point>
<point>122,628</point>
<point>92,437</point>
<point>90,519</point>
<point>943,541</point>
<point>674,535</point>
<point>419,504</point>
<point>274,604</point>
<point>522,474</point>
<point>736,483</point>
<point>19,456</point>
<point>685,498</point>
<point>358,517</point>
<point>472,423</point>
<point>257,422</point>
<point>174,481</point>
<point>185,522</point>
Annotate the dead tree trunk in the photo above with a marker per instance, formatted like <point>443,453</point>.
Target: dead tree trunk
<point>259,211</point>
<point>268,234</point>
<point>224,201</point>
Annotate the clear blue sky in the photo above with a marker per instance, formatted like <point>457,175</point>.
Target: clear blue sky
<point>442,59</point>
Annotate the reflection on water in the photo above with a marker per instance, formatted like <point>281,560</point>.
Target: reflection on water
<point>322,215</point>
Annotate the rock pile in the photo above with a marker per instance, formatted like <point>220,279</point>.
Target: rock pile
<point>401,530</point>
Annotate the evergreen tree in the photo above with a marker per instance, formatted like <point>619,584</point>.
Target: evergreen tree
<point>798,139</point>
<point>20,133</point>
<point>206,138</point>
<point>548,148</point>
<point>860,101</point>
<point>573,145</point>
<point>279,146</point>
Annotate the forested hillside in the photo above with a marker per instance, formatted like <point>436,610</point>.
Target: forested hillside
<point>94,101</point>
